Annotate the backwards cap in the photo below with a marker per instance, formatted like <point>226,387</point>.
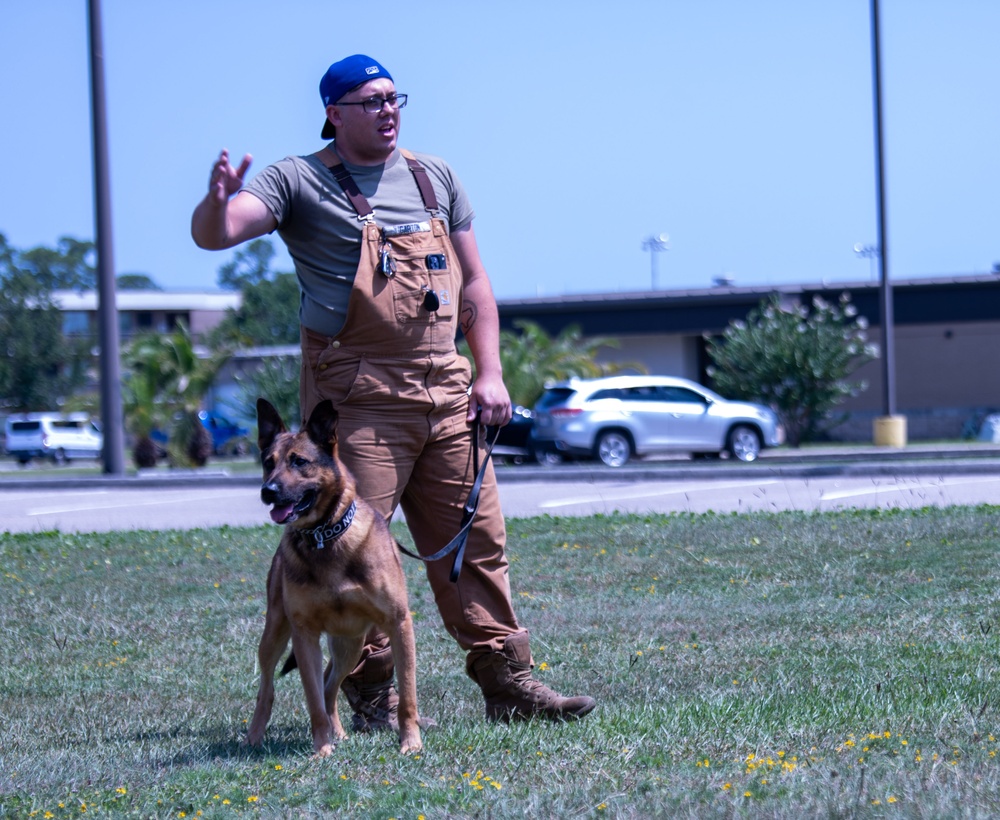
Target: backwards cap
<point>341,77</point>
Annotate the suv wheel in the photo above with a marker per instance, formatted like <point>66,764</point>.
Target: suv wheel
<point>59,456</point>
<point>744,443</point>
<point>613,448</point>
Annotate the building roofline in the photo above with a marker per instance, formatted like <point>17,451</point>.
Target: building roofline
<point>72,300</point>
<point>724,293</point>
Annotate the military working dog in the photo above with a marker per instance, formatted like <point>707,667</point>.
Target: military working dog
<point>336,572</point>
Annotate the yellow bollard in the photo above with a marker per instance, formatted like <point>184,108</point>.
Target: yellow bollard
<point>890,431</point>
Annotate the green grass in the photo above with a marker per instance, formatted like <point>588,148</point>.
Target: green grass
<point>754,665</point>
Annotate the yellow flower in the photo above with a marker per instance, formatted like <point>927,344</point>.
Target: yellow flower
<point>252,798</point>
<point>891,800</point>
<point>727,786</point>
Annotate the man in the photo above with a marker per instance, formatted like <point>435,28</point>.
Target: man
<point>388,267</point>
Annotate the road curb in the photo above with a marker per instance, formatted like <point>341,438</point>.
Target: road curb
<point>854,464</point>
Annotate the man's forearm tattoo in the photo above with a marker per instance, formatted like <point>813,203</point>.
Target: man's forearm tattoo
<point>468,318</point>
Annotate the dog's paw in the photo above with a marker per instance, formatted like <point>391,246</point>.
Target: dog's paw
<point>409,741</point>
<point>324,751</point>
<point>409,747</point>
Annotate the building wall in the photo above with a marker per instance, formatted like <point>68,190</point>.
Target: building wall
<point>660,354</point>
<point>947,378</point>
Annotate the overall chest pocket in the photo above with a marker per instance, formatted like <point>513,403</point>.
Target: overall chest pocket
<point>425,287</point>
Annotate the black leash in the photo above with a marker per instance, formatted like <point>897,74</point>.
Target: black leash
<point>457,544</point>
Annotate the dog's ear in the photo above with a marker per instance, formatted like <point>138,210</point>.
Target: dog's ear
<point>322,426</point>
<point>269,424</point>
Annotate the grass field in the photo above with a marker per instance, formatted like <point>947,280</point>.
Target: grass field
<point>755,665</point>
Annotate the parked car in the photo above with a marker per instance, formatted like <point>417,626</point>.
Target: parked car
<point>228,438</point>
<point>514,439</point>
<point>59,437</point>
<point>616,418</point>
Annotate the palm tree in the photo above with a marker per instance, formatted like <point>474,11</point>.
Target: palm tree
<point>531,358</point>
<point>142,403</point>
<point>168,378</point>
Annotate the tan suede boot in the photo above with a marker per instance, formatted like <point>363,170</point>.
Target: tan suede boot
<point>371,694</point>
<point>510,691</point>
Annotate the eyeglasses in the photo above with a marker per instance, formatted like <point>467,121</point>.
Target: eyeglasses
<point>374,105</point>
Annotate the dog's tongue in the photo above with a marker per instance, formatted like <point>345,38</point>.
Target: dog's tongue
<point>280,514</point>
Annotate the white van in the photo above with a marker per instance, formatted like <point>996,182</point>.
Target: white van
<point>53,435</point>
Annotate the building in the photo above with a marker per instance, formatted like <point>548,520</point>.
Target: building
<point>947,334</point>
<point>142,311</point>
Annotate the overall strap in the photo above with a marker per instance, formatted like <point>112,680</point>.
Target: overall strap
<point>357,199</point>
<point>347,183</point>
<point>422,180</point>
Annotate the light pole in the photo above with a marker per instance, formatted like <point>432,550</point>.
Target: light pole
<point>107,311</point>
<point>890,428</point>
<point>655,244</point>
<point>868,252</point>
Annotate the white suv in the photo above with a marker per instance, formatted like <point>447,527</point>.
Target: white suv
<point>615,418</point>
<point>53,435</point>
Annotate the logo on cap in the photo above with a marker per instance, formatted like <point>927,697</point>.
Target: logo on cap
<point>372,69</point>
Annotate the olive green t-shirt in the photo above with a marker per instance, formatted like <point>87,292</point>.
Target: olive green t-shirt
<point>323,233</point>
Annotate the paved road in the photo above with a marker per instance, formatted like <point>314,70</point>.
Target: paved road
<point>92,505</point>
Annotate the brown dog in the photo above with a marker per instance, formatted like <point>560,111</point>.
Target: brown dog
<point>336,572</point>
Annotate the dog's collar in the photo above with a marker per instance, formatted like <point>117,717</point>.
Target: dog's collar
<point>331,531</point>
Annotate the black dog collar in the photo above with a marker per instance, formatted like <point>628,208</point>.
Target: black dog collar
<point>333,531</point>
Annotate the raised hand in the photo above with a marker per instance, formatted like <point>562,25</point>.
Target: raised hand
<point>226,180</point>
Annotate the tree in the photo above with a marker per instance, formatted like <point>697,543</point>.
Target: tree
<point>68,266</point>
<point>531,358</point>
<point>795,360</point>
<point>135,281</point>
<point>168,379</point>
<point>269,315</point>
<point>277,380</point>
<point>250,265</point>
<point>39,367</point>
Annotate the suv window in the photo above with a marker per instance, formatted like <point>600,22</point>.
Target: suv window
<point>680,394</point>
<point>607,393</point>
<point>60,424</point>
<point>25,426</point>
<point>644,392</point>
<point>554,396</point>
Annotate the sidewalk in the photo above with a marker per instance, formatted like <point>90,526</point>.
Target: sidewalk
<point>859,460</point>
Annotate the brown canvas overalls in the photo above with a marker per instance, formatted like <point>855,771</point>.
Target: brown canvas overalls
<point>402,392</point>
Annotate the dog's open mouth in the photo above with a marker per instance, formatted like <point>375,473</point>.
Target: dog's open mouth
<point>286,513</point>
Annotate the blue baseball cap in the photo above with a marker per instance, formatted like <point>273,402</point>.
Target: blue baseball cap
<point>341,77</point>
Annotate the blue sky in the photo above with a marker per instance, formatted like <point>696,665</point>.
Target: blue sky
<point>741,129</point>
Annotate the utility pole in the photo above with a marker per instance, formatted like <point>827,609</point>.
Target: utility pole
<point>107,311</point>
<point>890,429</point>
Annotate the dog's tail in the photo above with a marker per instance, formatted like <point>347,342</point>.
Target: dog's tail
<point>290,664</point>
